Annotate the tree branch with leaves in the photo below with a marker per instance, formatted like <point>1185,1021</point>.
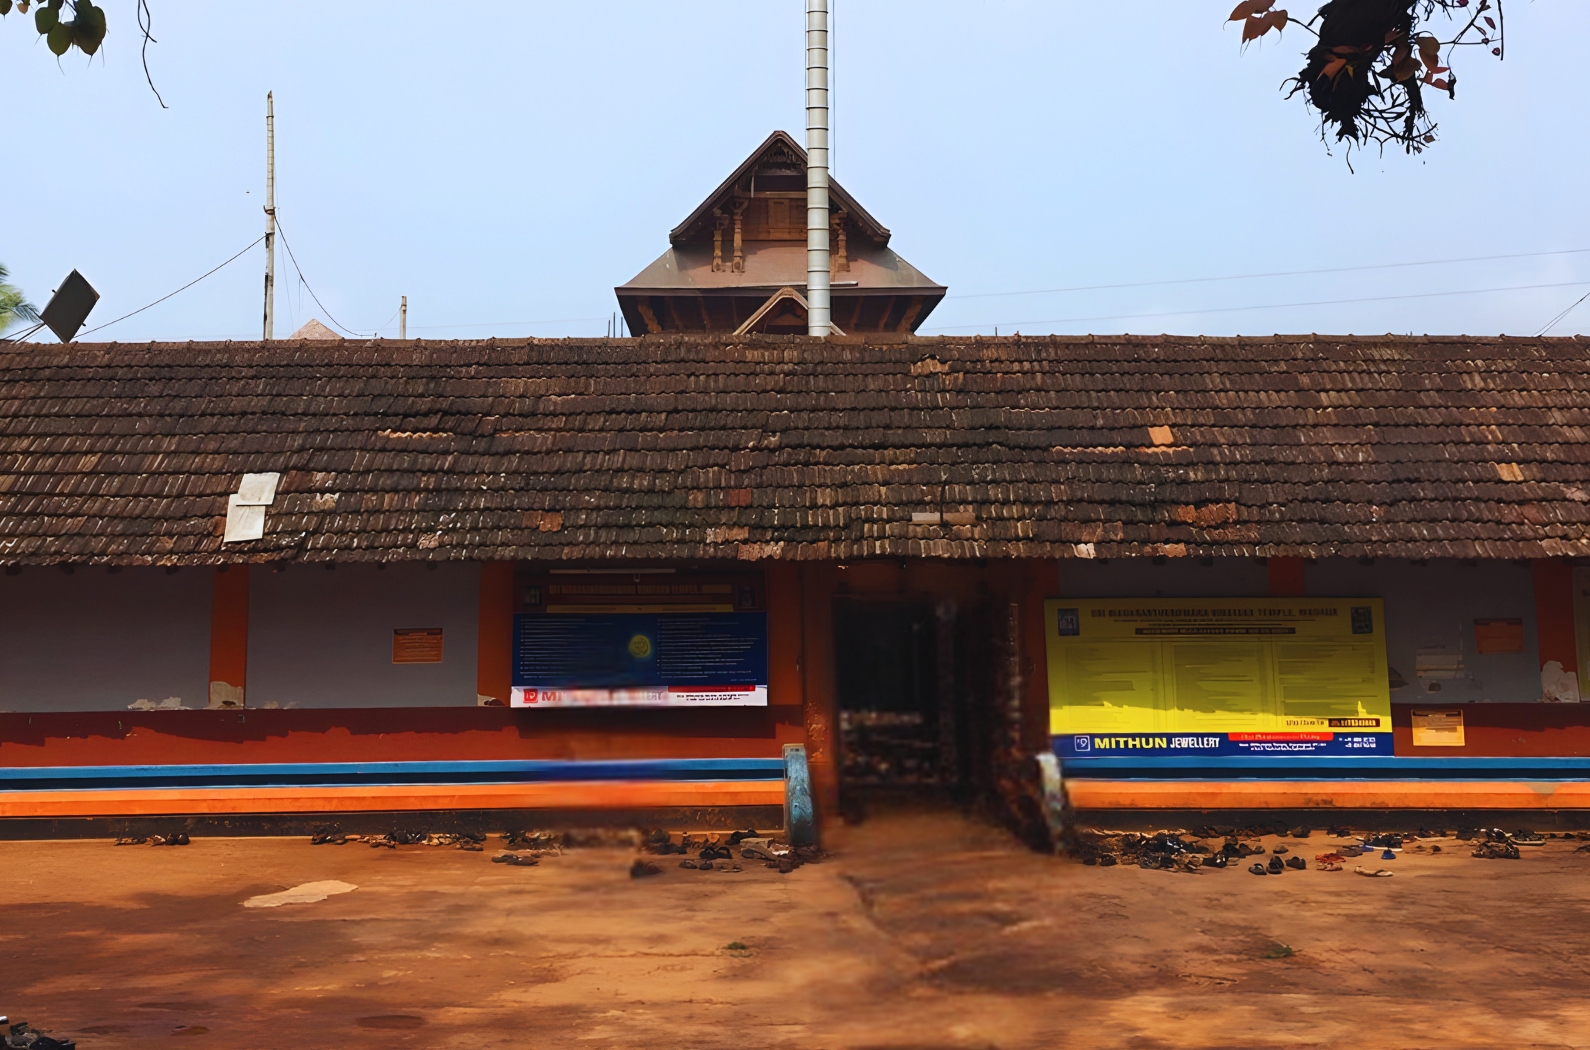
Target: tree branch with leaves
<point>84,30</point>
<point>14,306</point>
<point>1372,60</point>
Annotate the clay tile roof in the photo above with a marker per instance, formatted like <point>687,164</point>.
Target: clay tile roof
<point>757,448</point>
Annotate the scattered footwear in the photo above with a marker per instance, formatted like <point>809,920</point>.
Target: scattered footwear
<point>139,841</point>
<point>1257,869</point>
<point>522,860</point>
<point>736,837</point>
<point>1217,861</point>
<point>689,864</point>
<point>1378,873</point>
<point>1328,862</point>
<point>1107,860</point>
<point>1388,855</point>
<point>1275,867</point>
<point>1280,851</point>
<point>1525,837</point>
<point>179,838</point>
<point>1296,863</point>
<point>23,1035</point>
<point>641,868</point>
<point>1502,850</point>
<point>761,849</point>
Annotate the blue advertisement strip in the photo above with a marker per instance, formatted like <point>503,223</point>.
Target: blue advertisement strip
<point>587,651</point>
<point>1176,745</point>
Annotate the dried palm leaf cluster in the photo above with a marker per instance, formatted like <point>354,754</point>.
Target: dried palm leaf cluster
<point>1367,72</point>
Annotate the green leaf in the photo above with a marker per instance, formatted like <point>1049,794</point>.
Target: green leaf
<point>59,39</point>
<point>45,19</point>
<point>5,7</point>
<point>88,28</point>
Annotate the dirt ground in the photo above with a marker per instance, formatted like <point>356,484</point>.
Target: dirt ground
<point>923,931</point>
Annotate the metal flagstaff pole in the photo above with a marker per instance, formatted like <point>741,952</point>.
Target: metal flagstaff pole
<point>818,317</point>
<point>270,216</point>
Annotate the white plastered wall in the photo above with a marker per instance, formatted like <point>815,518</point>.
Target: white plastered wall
<point>94,640</point>
<point>321,638</point>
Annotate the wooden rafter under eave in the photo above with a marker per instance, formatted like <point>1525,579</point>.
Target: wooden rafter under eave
<point>783,294</point>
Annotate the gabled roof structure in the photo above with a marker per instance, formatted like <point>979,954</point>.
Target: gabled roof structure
<point>752,448</point>
<point>747,241</point>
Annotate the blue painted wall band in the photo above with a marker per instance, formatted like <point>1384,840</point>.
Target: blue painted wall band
<point>351,774</point>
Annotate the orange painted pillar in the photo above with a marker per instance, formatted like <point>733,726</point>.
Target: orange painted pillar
<point>1042,579</point>
<point>229,636</point>
<point>1286,577</point>
<point>819,696</point>
<point>494,635</point>
<point>1554,629</point>
<point>784,639</point>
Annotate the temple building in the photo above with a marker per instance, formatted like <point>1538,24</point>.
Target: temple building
<point>737,263</point>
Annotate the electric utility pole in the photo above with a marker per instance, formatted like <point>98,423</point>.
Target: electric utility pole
<point>270,217</point>
<point>403,318</point>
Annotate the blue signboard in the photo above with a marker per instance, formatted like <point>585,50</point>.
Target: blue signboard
<point>639,659</point>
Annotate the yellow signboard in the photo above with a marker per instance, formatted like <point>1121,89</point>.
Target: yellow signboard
<point>1218,675</point>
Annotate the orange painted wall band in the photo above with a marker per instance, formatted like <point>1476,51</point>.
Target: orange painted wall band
<point>494,638</point>
<point>201,801</point>
<point>229,630</point>
<point>1326,795</point>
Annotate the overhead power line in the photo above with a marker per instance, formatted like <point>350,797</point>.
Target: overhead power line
<point>1255,276</point>
<point>503,324</point>
<point>282,230</point>
<point>1553,322</point>
<point>168,295</point>
<point>1266,306</point>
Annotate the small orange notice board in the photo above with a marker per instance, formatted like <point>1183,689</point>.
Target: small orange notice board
<point>1438,728</point>
<point>417,645</point>
<point>1499,636</point>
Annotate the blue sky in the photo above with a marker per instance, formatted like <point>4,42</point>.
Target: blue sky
<point>505,165</point>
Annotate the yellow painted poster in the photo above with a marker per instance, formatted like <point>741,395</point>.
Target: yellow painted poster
<point>1218,676</point>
